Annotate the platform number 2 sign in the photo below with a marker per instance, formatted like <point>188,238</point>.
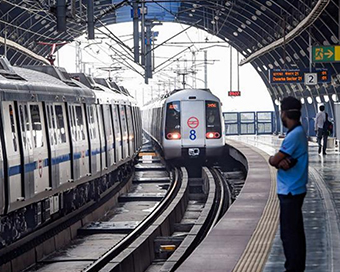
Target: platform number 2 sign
<point>311,78</point>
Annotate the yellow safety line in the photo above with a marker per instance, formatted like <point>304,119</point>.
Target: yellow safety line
<point>256,253</point>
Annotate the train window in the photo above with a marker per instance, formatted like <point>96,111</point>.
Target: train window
<point>49,124</point>
<point>80,123</point>
<point>92,122</point>
<point>123,122</point>
<point>60,123</point>
<point>14,134</point>
<point>36,126</point>
<point>53,125</point>
<point>25,127</point>
<point>173,121</point>
<point>108,121</point>
<point>73,126</point>
<point>213,120</point>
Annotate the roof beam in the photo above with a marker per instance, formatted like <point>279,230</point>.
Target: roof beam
<point>302,26</point>
<point>23,50</point>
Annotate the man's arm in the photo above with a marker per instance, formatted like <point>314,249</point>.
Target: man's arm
<point>279,161</point>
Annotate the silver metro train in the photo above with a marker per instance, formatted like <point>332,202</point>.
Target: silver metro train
<point>63,144</point>
<point>186,124</point>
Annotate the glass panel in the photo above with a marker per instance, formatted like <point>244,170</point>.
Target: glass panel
<point>173,118</point>
<point>53,125</point>
<point>247,116</point>
<point>60,124</point>
<point>80,123</point>
<point>14,133</point>
<point>230,117</point>
<point>36,126</point>
<point>213,120</point>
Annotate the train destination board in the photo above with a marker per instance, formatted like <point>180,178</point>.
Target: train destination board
<point>234,93</point>
<point>284,76</point>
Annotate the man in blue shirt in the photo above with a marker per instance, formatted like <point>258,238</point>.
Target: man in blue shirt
<point>292,176</point>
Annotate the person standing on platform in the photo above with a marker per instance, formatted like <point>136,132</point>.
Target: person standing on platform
<point>292,177</point>
<point>320,119</point>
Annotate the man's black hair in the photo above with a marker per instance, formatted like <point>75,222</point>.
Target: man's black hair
<point>292,107</point>
<point>322,108</point>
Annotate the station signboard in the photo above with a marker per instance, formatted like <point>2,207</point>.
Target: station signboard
<point>234,93</point>
<point>285,76</point>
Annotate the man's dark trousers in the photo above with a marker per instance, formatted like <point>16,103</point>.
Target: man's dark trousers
<point>292,232</point>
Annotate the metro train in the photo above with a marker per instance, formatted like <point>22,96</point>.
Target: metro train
<point>63,144</point>
<point>187,124</point>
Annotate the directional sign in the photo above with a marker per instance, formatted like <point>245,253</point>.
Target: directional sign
<point>326,53</point>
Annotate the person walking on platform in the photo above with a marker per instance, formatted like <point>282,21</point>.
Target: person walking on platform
<point>292,177</point>
<point>320,119</point>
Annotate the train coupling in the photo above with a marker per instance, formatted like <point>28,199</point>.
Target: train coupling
<point>194,152</point>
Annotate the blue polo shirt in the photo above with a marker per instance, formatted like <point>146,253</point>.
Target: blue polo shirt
<point>294,180</point>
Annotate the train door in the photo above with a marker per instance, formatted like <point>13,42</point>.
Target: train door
<point>118,133</point>
<point>40,152</point>
<point>140,130</point>
<point>109,136</point>
<point>193,123</point>
<point>94,138</point>
<point>2,180</point>
<point>15,189</point>
<point>80,142</point>
<point>124,131</point>
<point>131,136</point>
<point>53,144</point>
<point>133,111</point>
<point>27,163</point>
<point>60,143</point>
<point>102,137</point>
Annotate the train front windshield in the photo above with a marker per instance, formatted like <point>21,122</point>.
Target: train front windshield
<point>173,121</point>
<point>213,120</point>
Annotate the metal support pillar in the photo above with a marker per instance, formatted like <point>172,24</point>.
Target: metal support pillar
<point>310,49</point>
<point>61,15</point>
<point>148,56</point>
<point>205,69</point>
<point>143,34</point>
<point>238,71</point>
<point>135,32</point>
<point>90,19</point>
<point>78,58</point>
<point>231,69</point>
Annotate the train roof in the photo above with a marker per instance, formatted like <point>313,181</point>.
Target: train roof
<point>192,94</point>
<point>27,84</point>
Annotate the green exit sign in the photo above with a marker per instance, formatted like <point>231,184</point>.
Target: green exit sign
<point>326,53</point>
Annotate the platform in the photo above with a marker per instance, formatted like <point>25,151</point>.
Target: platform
<point>247,237</point>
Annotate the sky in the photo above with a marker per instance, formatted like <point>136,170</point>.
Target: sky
<point>97,57</point>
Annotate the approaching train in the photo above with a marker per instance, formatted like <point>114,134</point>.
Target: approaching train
<point>63,144</point>
<point>186,124</point>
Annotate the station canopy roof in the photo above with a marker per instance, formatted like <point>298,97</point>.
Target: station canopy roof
<point>271,34</point>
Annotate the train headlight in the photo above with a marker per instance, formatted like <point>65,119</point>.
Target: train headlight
<point>173,136</point>
<point>212,135</point>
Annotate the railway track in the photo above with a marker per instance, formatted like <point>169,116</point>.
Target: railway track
<point>154,227</point>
